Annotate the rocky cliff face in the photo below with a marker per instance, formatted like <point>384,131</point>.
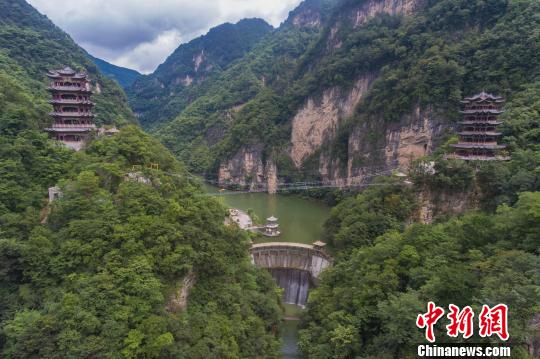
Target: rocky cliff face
<point>368,9</point>
<point>433,204</point>
<point>246,168</point>
<point>414,136</point>
<point>317,121</point>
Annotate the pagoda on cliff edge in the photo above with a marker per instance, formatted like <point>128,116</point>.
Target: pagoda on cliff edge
<point>73,119</point>
<point>477,129</point>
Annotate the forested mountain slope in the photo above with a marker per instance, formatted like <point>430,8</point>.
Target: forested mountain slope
<point>124,76</point>
<point>163,94</point>
<point>30,45</point>
<point>387,269</point>
<point>98,272</point>
<point>346,88</point>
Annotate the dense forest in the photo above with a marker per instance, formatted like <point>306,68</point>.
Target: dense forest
<point>96,273</point>
<point>99,271</point>
<point>387,271</point>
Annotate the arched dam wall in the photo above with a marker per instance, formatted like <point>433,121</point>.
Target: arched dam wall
<point>295,266</point>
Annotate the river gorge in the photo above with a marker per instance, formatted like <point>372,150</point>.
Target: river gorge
<point>301,221</point>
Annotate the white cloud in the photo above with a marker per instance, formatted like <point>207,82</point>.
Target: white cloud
<point>141,33</point>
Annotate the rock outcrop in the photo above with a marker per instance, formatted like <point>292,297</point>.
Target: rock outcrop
<point>178,300</point>
<point>433,203</point>
<point>369,9</point>
<point>394,147</point>
<point>318,120</point>
<point>247,169</point>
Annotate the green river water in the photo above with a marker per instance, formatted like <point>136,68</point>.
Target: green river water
<point>300,220</point>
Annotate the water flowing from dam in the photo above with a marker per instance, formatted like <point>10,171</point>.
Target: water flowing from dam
<point>301,221</point>
<point>295,284</point>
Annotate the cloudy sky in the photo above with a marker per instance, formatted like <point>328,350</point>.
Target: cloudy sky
<point>140,34</point>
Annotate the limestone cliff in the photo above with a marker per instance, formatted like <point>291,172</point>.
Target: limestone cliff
<point>319,118</point>
<point>433,203</point>
<point>247,169</point>
<point>414,136</point>
<point>368,9</point>
<point>314,126</point>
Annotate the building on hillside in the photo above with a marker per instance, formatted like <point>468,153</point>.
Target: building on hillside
<point>73,120</point>
<point>54,193</point>
<point>477,130</point>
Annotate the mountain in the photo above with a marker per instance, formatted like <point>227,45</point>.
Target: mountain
<point>163,94</point>
<point>124,76</point>
<point>344,89</point>
<point>124,263</point>
<point>30,45</point>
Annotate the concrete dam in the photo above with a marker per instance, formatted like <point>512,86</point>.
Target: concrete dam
<point>295,266</point>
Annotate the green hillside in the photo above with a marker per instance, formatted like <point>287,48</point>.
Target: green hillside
<point>98,272</point>
<point>125,77</point>
<point>387,270</point>
<point>30,45</point>
<point>430,59</point>
<point>163,94</point>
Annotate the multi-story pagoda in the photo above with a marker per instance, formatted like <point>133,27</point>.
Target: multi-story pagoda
<point>73,119</point>
<point>477,129</point>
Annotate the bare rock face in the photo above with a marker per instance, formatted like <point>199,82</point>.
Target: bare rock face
<point>178,300</point>
<point>271,177</point>
<point>411,141</point>
<point>318,119</point>
<point>306,16</point>
<point>436,203</point>
<point>197,60</point>
<point>414,136</point>
<point>246,168</point>
<point>369,9</point>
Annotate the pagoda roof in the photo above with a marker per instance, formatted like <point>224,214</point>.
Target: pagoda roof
<point>68,89</point>
<point>272,219</point>
<point>483,96</point>
<point>478,157</point>
<point>71,102</point>
<point>66,72</point>
<point>478,145</point>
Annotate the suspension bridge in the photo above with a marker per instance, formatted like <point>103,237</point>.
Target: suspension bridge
<point>357,182</point>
